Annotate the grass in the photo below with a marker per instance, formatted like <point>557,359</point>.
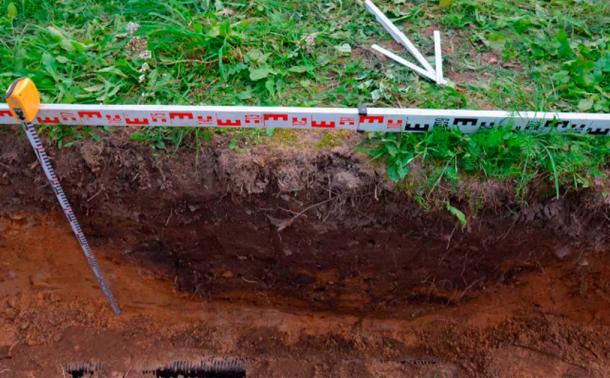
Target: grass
<point>529,54</point>
<point>566,161</point>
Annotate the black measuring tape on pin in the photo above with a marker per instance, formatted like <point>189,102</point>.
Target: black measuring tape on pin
<point>23,99</point>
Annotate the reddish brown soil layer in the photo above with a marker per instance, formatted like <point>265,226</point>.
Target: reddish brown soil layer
<point>303,261</point>
<point>551,321</point>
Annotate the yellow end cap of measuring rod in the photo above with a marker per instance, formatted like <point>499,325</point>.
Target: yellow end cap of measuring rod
<point>23,99</point>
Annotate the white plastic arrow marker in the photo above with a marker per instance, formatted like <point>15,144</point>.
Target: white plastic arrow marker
<point>404,62</point>
<point>398,35</point>
<point>438,56</point>
<point>427,71</point>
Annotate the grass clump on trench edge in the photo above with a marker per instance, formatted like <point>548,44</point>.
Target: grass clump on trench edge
<point>568,161</point>
<point>512,55</point>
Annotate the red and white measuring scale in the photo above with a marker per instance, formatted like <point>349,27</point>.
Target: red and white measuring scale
<point>356,119</point>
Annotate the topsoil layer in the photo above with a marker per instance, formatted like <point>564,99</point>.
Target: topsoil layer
<point>296,237</point>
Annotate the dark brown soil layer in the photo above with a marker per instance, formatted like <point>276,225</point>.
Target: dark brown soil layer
<point>316,225</point>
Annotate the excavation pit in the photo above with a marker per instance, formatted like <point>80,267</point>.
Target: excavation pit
<point>303,261</point>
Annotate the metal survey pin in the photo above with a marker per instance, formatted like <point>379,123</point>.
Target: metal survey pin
<point>24,102</point>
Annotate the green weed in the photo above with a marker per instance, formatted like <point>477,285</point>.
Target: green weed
<point>66,136</point>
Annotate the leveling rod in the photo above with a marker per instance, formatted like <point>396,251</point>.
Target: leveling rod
<point>356,119</point>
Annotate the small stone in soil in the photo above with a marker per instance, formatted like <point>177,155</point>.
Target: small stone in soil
<point>227,274</point>
<point>16,217</point>
<point>562,252</point>
<point>11,313</point>
<point>12,302</point>
<point>38,280</point>
<point>584,262</point>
